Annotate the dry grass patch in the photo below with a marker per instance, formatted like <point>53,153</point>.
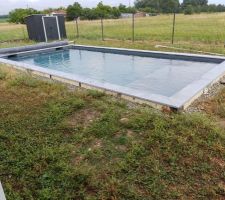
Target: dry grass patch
<point>218,162</point>
<point>82,118</point>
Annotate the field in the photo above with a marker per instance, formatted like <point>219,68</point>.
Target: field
<point>60,142</point>
<point>203,32</point>
<point>3,20</point>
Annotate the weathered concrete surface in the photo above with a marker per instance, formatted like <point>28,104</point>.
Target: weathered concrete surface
<point>2,195</point>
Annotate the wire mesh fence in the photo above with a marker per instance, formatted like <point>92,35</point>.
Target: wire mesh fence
<point>185,30</point>
<point>12,32</point>
<point>200,28</point>
<point>122,29</point>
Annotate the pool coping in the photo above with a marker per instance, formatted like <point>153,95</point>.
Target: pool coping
<point>179,101</point>
<point>2,194</point>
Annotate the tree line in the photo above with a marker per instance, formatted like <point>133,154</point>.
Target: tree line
<point>108,12</point>
<point>3,16</point>
<point>149,6</point>
<point>101,11</point>
<point>170,6</point>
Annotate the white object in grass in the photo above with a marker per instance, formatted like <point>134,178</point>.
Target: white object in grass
<point>2,195</point>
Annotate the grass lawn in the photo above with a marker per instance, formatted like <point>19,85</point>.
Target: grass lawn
<point>63,143</point>
<point>203,32</point>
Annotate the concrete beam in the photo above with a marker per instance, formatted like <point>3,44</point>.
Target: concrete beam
<point>2,195</point>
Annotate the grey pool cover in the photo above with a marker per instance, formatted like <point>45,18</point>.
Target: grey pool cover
<point>151,75</point>
<point>161,78</point>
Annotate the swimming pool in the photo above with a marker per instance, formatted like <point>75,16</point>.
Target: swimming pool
<point>164,78</point>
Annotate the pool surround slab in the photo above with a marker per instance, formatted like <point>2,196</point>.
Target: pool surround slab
<point>2,195</point>
<point>181,100</point>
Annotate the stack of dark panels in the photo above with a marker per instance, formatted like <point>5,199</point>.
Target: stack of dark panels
<point>44,28</point>
<point>62,27</point>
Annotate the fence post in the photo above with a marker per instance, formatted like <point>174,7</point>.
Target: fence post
<point>133,15</point>
<point>102,28</point>
<point>24,37</point>
<point>174,23</point>
<point>77,27</point>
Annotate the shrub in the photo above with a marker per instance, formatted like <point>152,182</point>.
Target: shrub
<point>189,10</point>
<point>18,15</point>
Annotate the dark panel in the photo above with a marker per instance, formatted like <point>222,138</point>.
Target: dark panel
<point>62,26</point>
<point>35,27</point>
<point>51,28</point>
<point>39,30</point>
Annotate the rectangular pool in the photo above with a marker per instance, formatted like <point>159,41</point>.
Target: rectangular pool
<point>167,79</point>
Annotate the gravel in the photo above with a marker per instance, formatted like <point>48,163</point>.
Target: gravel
<point>211,92</point>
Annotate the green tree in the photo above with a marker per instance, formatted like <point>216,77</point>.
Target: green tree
<point>122,8</point>
<point>154,4</point>
<point>74,11</point>
<point>165,6</point>
<point>103,11</point>
<point>195,6</point>
<point>116,13</point>
<point>18,15</point>
<point>189,10</point>
<point>89,14</point>
<point>195,2</point>
<point>169,6</point>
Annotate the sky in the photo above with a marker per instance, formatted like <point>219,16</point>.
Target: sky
<point>7,5</point>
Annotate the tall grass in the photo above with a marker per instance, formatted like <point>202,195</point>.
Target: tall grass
<point>201,28</point>
<point>3,20</point>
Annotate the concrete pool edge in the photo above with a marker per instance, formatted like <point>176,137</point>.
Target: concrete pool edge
<point>153,54</point>
<point>180,100</point>
<point>87,83</point>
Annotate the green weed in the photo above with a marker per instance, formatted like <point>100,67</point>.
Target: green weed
<point>96,94</point>
<point>2,75</point>
<point>24,81</point>
<point>122,153</point>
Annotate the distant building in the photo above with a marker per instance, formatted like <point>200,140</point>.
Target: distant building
<point>126,15</point>
<point>59,12</point>
<point>140,14</point>
<point>129,15</point>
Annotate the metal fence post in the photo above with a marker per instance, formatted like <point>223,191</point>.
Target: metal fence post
<point>24,37</point>
<point>102,28</point>
<point>174,23</point>
<point>77,27</point>
<point>133,15</point>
